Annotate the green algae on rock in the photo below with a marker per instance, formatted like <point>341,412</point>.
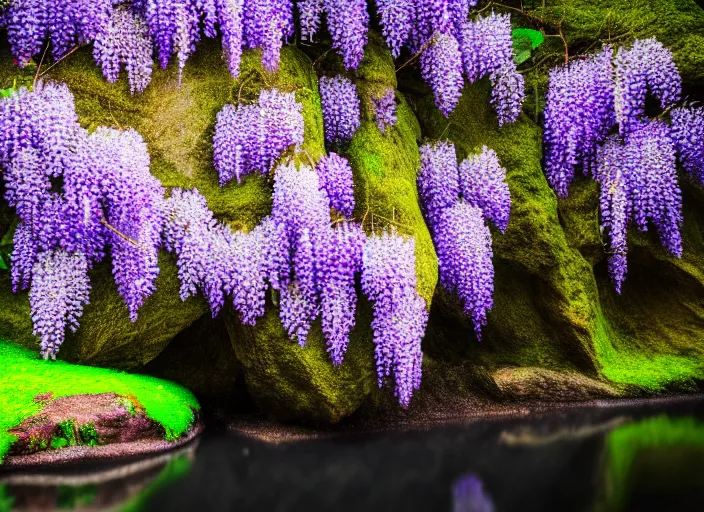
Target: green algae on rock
<point>29,384</point>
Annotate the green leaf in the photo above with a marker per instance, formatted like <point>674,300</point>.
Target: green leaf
<point>523,37</point>
<point>521,57</point>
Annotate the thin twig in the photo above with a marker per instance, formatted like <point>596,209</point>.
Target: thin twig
<point>55,63</point>
<point>239,93</point>
<point>310,158</point>
<point>39,67</point>
<point>414,57</point>
<point>121,234</point>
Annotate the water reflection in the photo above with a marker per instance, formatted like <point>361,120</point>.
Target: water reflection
<point>124,488</point>
<point>469,495</point>
<point>599,459</point>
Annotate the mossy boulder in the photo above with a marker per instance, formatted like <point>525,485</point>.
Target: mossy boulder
<point>678,24</point>
<point>544,303</point>
<point>294,383</point>
<point>555,307</point>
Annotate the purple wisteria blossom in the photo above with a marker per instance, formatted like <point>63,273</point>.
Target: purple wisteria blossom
<point>104,198</point>
<point>469,495</point>
<point>483,184</point>
<point>385,110</point>
<point>124,41</point>
<point>688,134</point>
<point>579,112</point>
<point>646,67</point>
<point>389,282</point>
<point>463,245</point>
<point>441,68</point>
<point>335,175</point>
<point>60,289</point>
<point>341,108</point>
<point>507,93</point>
<point>348,22</point>
<point>267,23</point>
<point>250,138</point>
<point>486,45</point>
<point>310,13</point>
<point>340,259</point>
<point>438,179</point>
<point>398,18</point>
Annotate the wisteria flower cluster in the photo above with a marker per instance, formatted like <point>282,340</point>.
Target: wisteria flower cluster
<point>487,49</point>
<point>250,138</point>
<point>400,316</point>
<point>341,108</point>
<point>688,134</point>
<point>335,175</point>
<point>311,263</point>
<point>107,199</point>
<point>456,201</point>
<point>636,170</point>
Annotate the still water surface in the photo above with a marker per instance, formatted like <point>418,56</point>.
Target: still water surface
<point>649,457</point>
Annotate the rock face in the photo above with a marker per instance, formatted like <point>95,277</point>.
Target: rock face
<point>555,314</point>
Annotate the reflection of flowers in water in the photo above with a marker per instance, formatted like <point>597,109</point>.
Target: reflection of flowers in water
<point>469,495</point>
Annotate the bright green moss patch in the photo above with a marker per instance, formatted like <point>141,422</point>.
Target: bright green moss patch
<point>24,376</point>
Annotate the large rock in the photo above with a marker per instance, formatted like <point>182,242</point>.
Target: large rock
<point>555,307</point>
<point>294,383</point>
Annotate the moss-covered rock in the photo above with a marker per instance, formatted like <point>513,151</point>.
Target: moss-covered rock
<point>106,336</point>
<point>544,313</point>
<point>295,383</point>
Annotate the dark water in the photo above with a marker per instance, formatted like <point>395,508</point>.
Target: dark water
<point>645,458</point>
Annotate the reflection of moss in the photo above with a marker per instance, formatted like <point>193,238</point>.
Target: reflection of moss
<point>661,437</point>
<point>24,376</point>
<point>72,497</point>
<point>6,499</point>
<point>174,470</point>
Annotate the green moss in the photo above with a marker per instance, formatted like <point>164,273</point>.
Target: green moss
<point>24,376</point>
<point>296,383</point>
<point>678,24</point>
<point>88,435</point>
<point>106,336</point>
<point>65,434</point>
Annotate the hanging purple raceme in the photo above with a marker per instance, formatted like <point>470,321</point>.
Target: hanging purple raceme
<point>438,179</point>
<point>340,262</point>
<point>615,206</point>
<point>486,45</point>
<point>341,108</point>
<point>389,282</point>
<point>335,175</point>
<point>441,68</point>
<point>124,40</point>
<point>463,244</point>
<point>267,23</point>
<point>645,67</point>
<point>398,18</point>
<point>60,289</point>
<point>385,110</point>
<point>579,112</point>
<point>483,184</point>
<point>348,22</point>
<point>507,93</point>
<point>303,209</point>
<point>310,13</point>
<point>250,138</point>
<point>688,134</point>
<point>107,198</point>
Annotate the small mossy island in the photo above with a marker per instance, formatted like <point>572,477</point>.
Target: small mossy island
<point>557,330</point>
<point>30,387</point>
